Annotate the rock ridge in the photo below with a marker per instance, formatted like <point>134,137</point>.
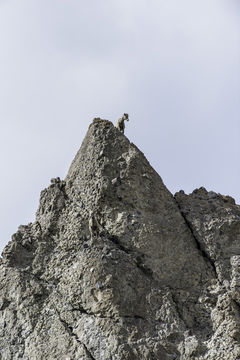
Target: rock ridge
<point>116,267</point>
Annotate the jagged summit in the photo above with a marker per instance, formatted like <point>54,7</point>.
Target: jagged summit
<point>115,267</point>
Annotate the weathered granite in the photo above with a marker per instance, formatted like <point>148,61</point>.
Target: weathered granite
<point>159,278</point>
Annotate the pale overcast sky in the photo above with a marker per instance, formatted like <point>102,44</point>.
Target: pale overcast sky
<point>173,65</point>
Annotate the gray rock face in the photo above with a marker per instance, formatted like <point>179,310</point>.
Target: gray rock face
<point>115,267</point>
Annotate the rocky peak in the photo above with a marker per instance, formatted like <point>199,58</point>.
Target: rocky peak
<point>214,220</point>
<point>115,267</point>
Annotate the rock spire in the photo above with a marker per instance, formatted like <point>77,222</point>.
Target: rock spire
<point>115,267</point>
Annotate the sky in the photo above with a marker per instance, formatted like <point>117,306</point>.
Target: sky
<point>173,65</point>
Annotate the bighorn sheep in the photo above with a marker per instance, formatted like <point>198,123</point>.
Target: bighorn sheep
<point>120,123</point>
<point>93,225</point>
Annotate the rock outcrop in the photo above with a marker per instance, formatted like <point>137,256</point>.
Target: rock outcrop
<point>115,267</point>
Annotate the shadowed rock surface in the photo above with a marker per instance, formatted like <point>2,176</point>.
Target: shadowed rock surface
<point>115,267</point>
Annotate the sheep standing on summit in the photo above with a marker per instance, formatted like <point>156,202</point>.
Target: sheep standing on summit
<point>120,123</point>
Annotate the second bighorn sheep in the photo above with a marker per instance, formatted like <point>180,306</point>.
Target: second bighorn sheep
<point>120,123</point>
<point>94,226</point>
